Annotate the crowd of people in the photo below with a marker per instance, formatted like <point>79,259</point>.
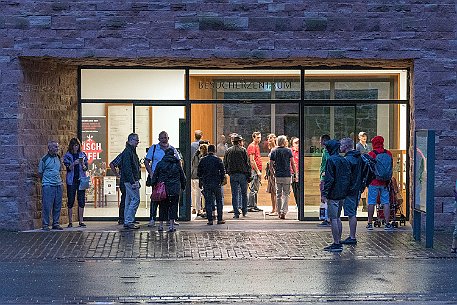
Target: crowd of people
<point>345,173</point>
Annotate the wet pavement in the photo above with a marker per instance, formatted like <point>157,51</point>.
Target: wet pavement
<point>239,262</point>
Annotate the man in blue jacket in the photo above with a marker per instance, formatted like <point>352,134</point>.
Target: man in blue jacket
<point>211,173</point>
<point>336,185</point>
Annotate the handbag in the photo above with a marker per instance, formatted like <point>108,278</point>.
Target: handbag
<point>159,192</point>
<point>84,183</point>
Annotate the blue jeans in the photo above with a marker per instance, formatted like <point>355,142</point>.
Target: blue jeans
<point>210,194</point>
<point>51,199</point>
<point>253,190</point>
<point>132,201</point>
<point>239,181</point>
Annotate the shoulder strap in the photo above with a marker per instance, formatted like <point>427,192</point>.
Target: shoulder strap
<point>154,151</point>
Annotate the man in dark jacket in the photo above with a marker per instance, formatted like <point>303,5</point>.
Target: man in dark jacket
<point>130,171</point>
<point>237,165</point>
<point>211,174</point>
<point>336,185</point>
<point>355,187</point>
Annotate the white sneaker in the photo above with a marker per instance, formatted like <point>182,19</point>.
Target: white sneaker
<point>151,223</point>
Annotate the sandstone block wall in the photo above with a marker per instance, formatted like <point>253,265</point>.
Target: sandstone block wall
<point>40,36</point>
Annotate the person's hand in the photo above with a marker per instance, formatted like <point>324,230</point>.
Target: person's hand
<point>323,199</point>
<point>295,178</point>
<point>76,162</point>
<point>259,173</point>
<point>136,185</point>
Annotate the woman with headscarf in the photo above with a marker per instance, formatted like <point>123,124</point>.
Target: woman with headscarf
<point>170,172</point>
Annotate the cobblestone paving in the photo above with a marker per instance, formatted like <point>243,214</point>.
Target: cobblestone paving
<point>212,245</point>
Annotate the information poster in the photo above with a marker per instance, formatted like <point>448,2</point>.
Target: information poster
<point>109,185</point>
<point>142,128</point>
<point>120,125</point>
<point>94,139</point>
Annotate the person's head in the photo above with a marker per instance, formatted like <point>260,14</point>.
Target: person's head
<point>222,139</point>
<point>74,146</point>
<point>198,134</point>
<point>271,138</point>
<point>203,149</point>
<point>282,141</point>
<point>53,148</point>
<point>163,138</point>
<point>363,137</point>
<point>133,139</point>
<point>377,142</point>
<point>294,142</point>
<point>256,137</point>
<point>211,149</point>
<point>333,147</point>
<point>324,138</point>
<point>346,145</point>
<point>236,139</point>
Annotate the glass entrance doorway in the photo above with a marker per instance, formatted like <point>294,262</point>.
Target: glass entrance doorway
<point>105,128</point>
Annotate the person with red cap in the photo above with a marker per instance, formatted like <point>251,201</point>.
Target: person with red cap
<point>379,186</point>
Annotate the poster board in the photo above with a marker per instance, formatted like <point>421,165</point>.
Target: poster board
<point>119,126</point>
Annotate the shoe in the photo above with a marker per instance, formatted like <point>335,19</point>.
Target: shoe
<point>131,227</point>
<point>151,223</point>
<point>257,209</point>
<point>120,222</point>
<point>324,223</point>
<point>45,228</point>
<point>388,227</point>
<point>231,211</point>
<point>82,225</point>
<point>209,223</point>
<point>349,241</point>
<point>282,216</point>
<point>236,216</point>
<point>253,209</point>
<point>273,214</point>
<point>334,248</point>
<point>160,229</point>
<point>369,227</point>
<point>57,227</point>
<point>176,223</point>
<point>220,222</point>
<point>245,213</point>
<point>70,225</point>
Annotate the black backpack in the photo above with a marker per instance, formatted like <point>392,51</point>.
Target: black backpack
<point>368,170</point>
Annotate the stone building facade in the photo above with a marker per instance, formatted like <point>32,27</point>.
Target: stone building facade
<point>44,42</point>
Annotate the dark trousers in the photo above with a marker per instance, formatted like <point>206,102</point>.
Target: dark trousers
<point>153,210</point>
<point>122,204</point>
<point>72,190</point>
<point>295,191</point>
<point>168,209</point>
<point>211,194</point>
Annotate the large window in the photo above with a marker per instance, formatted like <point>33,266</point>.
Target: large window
<point>340,103</point>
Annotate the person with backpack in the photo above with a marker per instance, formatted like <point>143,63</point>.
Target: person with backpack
<point>356,187</point>
<point>51,182</point>
<point>335,190</point>
<point>154,155</point>
<point>379,185</point>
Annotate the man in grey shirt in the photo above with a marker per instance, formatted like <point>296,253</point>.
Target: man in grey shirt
<point>49,172</point>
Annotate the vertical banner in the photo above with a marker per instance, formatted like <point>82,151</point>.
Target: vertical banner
<point>94,140</point>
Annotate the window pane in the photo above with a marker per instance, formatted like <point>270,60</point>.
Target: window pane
<point>132,84</point>
<point>244,84</point>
